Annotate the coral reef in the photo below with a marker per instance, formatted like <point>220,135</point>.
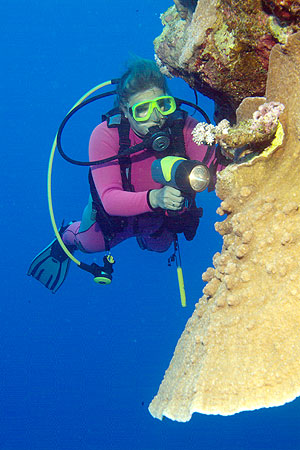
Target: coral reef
<point>248,136</point>
<point>240,350</point>
<point>186,8</point>
<point>285,10</point>
<point>221,47</point>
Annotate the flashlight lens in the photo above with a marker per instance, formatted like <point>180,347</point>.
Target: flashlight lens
<point>199,178</point>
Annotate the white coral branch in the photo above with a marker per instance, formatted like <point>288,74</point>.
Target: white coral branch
<point>204,133</point>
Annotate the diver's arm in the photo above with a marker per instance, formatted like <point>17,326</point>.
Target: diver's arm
<point>104,142</point>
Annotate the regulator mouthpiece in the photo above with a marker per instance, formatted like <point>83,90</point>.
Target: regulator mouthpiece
<point>159,140</point>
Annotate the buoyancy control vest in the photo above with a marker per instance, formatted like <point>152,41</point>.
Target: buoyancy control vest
<point>110,225</point>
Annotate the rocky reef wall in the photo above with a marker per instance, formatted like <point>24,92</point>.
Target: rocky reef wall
<point>222,47</point>
<point>240,350</point>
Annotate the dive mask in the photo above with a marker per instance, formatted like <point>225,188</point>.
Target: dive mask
<point>142,111</point>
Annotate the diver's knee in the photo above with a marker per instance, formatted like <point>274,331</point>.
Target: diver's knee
<point>88,216</point>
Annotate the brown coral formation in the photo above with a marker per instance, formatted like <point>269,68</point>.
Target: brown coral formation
<point>221,47</point>
<point>240,350</point>
<point>285,10</point>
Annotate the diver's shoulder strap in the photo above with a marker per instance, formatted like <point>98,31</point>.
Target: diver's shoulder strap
<point>176,122</point>
<point>115,119</point>
<point>109,224</point>
<point>125,161</point>
<point>112,118</point>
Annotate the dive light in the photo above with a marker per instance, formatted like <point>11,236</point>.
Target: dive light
<point>188,176</point>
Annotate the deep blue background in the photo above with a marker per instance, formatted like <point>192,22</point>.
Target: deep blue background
<point>79,368</point>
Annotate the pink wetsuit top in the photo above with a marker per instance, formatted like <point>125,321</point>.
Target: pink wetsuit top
<point>104,142</point>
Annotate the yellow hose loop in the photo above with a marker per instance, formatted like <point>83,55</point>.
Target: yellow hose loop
<point>49,175</point>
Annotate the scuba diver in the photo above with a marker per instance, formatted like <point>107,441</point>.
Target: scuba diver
<point>125,198</point>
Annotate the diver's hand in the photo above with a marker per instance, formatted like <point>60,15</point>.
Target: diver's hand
<point>166,198</point>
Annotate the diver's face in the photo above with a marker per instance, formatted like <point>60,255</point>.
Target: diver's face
<point>156,119</point>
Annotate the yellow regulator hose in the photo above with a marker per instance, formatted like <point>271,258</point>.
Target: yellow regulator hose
<point>49,176</point>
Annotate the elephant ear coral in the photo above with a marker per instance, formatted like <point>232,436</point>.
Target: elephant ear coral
<point>240,350</point>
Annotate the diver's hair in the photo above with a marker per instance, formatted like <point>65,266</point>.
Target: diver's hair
<point>142,74</point>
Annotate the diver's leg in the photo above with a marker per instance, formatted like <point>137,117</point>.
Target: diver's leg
<point>85,235</point>
<point>88,237</point>
<point>90,240</point>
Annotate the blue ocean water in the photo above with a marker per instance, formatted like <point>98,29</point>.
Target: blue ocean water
<point>79,368</point>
